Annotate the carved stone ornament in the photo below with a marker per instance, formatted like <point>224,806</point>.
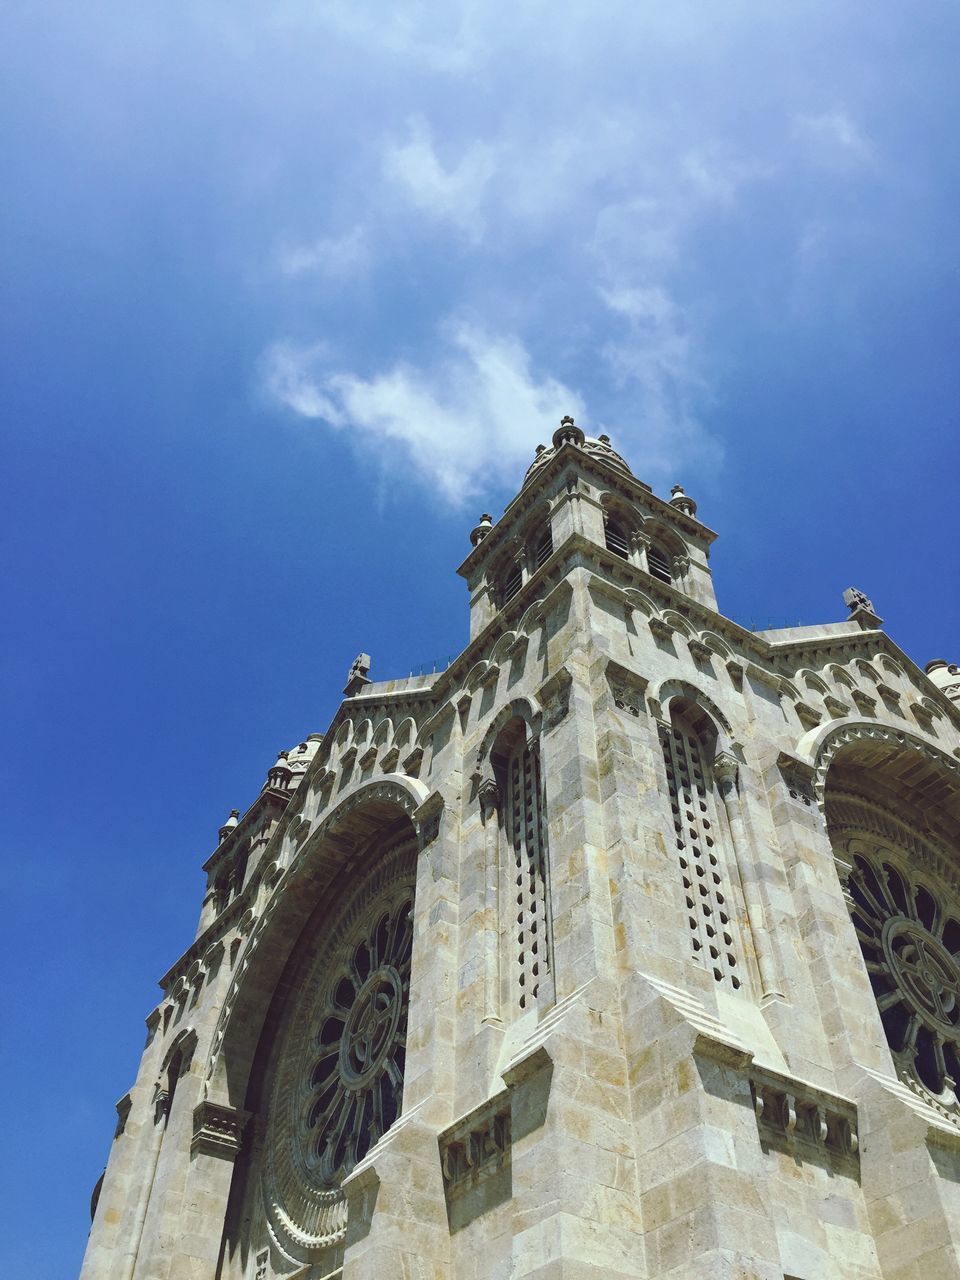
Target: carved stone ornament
<point>726,770</point>
<point>554,697</point>
<point>803,1121</point>
<point>218,1130</point>
<point>488,793</point>
<point>336,1081</point>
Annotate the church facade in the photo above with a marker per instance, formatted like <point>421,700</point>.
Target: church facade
<point>626,946</point>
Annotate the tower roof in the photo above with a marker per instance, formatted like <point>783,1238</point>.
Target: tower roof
<point>569,433</point>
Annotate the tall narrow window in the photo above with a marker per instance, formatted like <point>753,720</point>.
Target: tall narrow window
<point>616,539</point>
<point>524,831</point>
<point>543,549</point>
<point>659,563</point>
<point>697,838</point>
<point>512,581</point>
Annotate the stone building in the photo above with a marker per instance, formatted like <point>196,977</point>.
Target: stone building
<point>626,946</point>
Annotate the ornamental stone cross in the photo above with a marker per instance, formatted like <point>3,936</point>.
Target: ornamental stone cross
<point>357,675</point>
<point>855,599</point>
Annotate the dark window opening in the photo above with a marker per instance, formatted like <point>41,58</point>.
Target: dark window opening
<point>512,582</point>
<point>658,563</point>
<point>544,548</point>
<point>616,539</point>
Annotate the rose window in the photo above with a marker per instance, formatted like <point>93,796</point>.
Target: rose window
<point>910,941</point>
<point>356,1081</point>
<point>336,1083</point>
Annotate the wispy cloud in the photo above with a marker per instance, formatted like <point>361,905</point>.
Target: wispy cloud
<point>654,354</point>
<point>467,422</point>
<point>335,257</point>
<point>833,139</point>
<point>453,194</point>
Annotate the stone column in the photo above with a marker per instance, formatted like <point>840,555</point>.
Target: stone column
<point>726,770</point>
<point>490,813</point>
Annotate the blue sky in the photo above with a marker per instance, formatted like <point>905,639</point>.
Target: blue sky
<point>292,292</point>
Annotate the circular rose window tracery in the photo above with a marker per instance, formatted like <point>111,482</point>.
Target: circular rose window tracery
<point>909,934</point>
<point>337,1077</point>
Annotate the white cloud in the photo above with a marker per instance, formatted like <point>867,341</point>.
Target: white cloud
<point>453,195</point>
<point>335,257</point>
<point>465,425</point>
<point>657,357</point>
<point>834,140</point>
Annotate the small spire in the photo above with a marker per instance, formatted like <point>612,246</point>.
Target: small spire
<point>230,823</point>
<point>567,433</point>
<point>483,528</point>
<point>682,501</point>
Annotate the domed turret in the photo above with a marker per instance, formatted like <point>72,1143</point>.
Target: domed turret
<point>946,676</point>
<point>229,825</point>
<point>291,765</point>
<point>569,433</point>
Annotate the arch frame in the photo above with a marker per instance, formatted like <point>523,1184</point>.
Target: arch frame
<point>398,792</point>
<point>819,747</point>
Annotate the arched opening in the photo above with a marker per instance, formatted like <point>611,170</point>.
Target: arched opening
<point>515,757</point>
<point>615,537</point>
<point>893,815</point>
<point>542,547</point>
<point>689,745</point>
<point>325,1080</point>
<point>660,562</point>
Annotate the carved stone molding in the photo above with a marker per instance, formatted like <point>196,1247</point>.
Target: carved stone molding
<point>123,1112</point>
<point>475,1148</point>
<point>554,696</point>
<point>699,651</point>
<point>805,1122</point>
<point>798,778</point>
<point>844,735</point>
<point>427,819</point>
<point>218,1130</point>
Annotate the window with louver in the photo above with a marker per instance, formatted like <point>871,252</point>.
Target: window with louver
<point>658,563</point>
<point>616,539</point>
<point>512,582</point>
<point>525,836</point>
<point>698,851</point>
<point>544,548</point>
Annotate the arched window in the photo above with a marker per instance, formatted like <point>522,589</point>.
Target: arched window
<point>511,581</point>
<point>516,761</point>
<point>688,747</point>
<point>615,537</point>
<point>543,548</point>
<point>659,563</point>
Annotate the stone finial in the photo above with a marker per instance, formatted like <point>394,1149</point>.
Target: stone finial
<point>483,528</point>
<point>567,433</point>
<point>230,823</point>
<point>357,675</point>
<point>682,501</point>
